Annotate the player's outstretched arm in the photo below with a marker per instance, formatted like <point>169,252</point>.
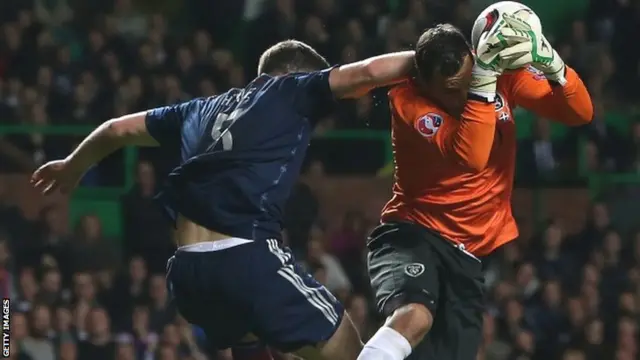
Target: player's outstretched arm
<point>569,104</point>
<point>104,140</point>
<point>356,79</point>
<point>129,130</point>
<point>471,144</point>
<point>547,86</point>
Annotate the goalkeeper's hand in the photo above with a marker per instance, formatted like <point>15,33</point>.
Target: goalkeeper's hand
<point>540,55</point>
<point>496,50</point>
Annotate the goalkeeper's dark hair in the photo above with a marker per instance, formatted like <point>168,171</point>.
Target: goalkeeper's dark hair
<point>441,50</point>
<point>290,56</point>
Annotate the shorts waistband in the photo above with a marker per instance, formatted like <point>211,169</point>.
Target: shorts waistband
<point>458,246</point>
<point>209,246</point>
<point>462,248</point>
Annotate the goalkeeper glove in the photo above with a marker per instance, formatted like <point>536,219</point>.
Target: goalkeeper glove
<point>541,55</point>
<point>496,50</point>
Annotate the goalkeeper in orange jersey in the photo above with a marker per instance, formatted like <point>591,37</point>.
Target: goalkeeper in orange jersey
<point>454,139</point>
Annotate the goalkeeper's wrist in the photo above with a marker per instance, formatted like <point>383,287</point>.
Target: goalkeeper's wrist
<point>484,98</point>
<point>559,77</point>
<point>557,71</point>
<point>483,84</point>
<point>482,95</point>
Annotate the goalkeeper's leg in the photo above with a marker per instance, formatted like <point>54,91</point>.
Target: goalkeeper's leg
<point>431,292</point>
<point>402,331</point>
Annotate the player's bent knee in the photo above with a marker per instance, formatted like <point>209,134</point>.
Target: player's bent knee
<point>413,321</point>
<point>344,344</point>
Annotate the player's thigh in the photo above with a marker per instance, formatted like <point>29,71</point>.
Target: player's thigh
<point>465,292</point>
<point>293,313</point>
<point>457,329</point>
<point>402,268</point>
<point>209,295</point>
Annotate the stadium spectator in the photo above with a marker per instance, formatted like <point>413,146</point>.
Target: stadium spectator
<point>336,279</point>
<point>38,345</point>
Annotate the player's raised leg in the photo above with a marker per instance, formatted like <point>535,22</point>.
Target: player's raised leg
<point>298,315</point>
<point>430,291</point>
<point>404,277</point>
<point>345,344</point>
<point>254,291</point>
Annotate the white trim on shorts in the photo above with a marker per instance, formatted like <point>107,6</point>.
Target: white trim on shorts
<point>314,296</point>
<point>464,250</point>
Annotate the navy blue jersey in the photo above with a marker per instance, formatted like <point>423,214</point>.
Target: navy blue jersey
<point>240,152</point>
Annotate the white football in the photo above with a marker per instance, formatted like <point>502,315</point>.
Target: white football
<point>493,14</point>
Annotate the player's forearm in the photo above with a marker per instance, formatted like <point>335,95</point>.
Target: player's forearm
<point>390,68</point>
<point>569,104</point>
<point>472,142</point>
<point>574,106</point>
<point>357,79</point>
<point>129,130</point>
<point>102,142</point>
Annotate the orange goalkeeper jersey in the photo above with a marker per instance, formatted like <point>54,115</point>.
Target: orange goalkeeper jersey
<point>455,176</point>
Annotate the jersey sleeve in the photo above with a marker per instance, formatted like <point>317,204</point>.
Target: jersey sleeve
<point>311,93</point>
<point>470,138</point>
<point>165,123</point>
<point>569,104</point>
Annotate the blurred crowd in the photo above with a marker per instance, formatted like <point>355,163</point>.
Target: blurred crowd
<point>81,295</point>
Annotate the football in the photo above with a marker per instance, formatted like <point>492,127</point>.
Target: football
<point>494,13</point>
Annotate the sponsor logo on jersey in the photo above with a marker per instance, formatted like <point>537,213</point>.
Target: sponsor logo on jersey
<point>429,124</point>
<point>414,270</point>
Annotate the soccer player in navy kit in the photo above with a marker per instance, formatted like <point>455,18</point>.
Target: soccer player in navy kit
<point>240,154</point>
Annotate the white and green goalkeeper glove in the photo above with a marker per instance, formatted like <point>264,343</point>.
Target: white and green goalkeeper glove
<point>483,83</point>
<point>496,50</point>
<point>540,54</point>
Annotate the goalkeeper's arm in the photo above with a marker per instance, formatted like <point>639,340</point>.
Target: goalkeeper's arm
<point>569,104</point>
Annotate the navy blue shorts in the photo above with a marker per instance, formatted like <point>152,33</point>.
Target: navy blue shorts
<point>255,288</point>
